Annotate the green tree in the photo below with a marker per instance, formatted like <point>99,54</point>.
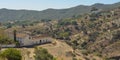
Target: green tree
<point>11,54</point>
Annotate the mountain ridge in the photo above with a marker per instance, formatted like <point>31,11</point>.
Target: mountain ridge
<point>13,15</point>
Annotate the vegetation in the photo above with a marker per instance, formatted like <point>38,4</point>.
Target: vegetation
<point>50,14</point>
<point>64,35</point>
<point>11,54</point>
<point>94,33</point>
<point>117,35</point>
<point>42,54</point>
<point>4,39</point>
<point>94,9</point>
<point>67,22</point>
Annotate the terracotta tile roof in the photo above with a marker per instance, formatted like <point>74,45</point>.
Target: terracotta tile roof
<point>21,35</point>
<point>39,37</point>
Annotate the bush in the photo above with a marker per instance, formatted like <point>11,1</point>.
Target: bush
<point>11,54</point>
<point>116,35</point>
<point>97,54</point>
<point>74,59</point>
<point>93,36</point>
<point>85,52</point>
<point>42,54</point>
<point>67,22</point>
<point>64,35</point>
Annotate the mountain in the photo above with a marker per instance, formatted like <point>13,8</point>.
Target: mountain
<point>11,15</point>
<point>92,34</point>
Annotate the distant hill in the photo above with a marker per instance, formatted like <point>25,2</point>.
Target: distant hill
<point>11,15</point>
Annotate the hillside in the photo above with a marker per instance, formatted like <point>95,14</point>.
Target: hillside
<point>12,15</point>
<point>96,33</point>
<point>81,32</point>
<point>90,35</point>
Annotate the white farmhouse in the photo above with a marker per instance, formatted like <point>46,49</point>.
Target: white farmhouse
<point>27,40</point>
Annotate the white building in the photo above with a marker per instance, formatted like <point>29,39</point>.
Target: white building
<point>27,40</point>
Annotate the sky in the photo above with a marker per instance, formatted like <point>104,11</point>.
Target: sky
<point>45,4</point>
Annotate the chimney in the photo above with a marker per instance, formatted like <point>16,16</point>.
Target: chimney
<point>14,32</point>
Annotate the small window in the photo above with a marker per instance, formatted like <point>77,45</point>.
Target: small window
<point>40,41</point>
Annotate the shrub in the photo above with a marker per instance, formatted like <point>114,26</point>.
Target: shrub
<point>85,52</point>
<point>64,35</point>
<point>11,54</point>
<point>116,35</point>
<point>42,54</point>
<point>74,59</point>
<point>98,54</point>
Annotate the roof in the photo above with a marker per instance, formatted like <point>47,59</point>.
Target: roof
<point>21,35</point>
<point>39,37</point>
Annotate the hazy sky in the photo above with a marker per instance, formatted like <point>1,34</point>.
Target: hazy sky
<point>45,4</point>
